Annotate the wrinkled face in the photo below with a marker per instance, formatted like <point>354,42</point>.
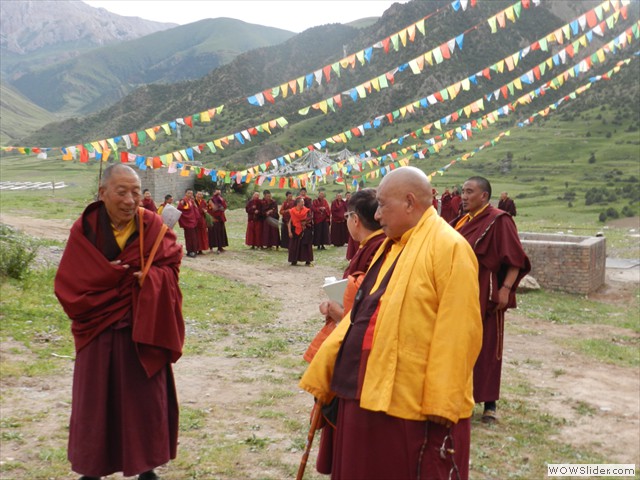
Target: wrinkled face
<point>121,196</point>
<point>473,197</point>
<point>392,210</point>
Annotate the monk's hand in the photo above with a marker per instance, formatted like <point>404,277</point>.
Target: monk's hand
<point>335,311</point>
<point>119,262</point>
<point>503,298</point>
<point>445,422</point>
<point>324,308</point>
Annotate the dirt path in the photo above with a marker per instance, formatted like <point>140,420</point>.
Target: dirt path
<point>566,384</point>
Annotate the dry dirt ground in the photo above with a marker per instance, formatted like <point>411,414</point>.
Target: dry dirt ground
<point>566,380</point>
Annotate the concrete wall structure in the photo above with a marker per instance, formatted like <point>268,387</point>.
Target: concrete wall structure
<point>567,263</point>
<point>160,183</point>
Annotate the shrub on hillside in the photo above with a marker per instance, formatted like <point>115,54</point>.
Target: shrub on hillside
<point>17,253</point>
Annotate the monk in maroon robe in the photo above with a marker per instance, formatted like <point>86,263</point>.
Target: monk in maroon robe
<point>287,205</point>
<point>300,236</point>
<point>446,212</point>
<point>365,228</point>
<point>339,231</point>
<point>321,220</point>
<point>502,264</point>
<point>216,206</point>
<point>253,237</point>
<point>507,204</point>
<point>189,222</point>
<point>201,227</point>
<point>147,201</point>
<point>270,228</point>
<point>118,283</point>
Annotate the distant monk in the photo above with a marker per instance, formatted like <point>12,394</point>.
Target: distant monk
<point>168,200</point>
<point>189,221</point>
<point>321,220</point>
<point>339,231</point>
<point>270,228</point>
<point>287,205</point>
<point>503,263</point>
<point>300,234</point>
<point>147,201</point>
<point>506,204</point>
<point>201,228</point>
<point>216,206</point>
<point>118,283</point>
<point>253,237</point>
<point>446,212</point>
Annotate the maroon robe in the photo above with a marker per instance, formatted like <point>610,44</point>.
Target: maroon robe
<point>494,238</point>
<point>218,231</point>
<point>508,206</point>
<point>456,203</point>
<point>385,446</point>
<point>149,204</point>
<point>270,233</point>
<point>358,265</point>
<point>446,211</point>
<point>339,231</point>
<point>124,412</point>
<point>253,237</point>
<point>201,228</point>
<point>189,222</point>
<point>286,216</point>
<point>352,248</point>
<point>321,221</point>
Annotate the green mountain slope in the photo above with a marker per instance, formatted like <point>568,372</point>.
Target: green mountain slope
<point>19,115</point>
<point>96,79</point>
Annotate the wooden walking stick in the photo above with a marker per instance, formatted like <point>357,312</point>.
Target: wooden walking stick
<point>315,421</point>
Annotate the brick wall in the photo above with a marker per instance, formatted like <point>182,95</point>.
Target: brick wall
<point>567,263</point>
<point>160,183</point>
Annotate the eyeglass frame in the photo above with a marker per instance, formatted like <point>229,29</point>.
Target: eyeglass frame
<point>347,215</point>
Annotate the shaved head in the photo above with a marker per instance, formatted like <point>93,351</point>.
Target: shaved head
<point>403,196</point>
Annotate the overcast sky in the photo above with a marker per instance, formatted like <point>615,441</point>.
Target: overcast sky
<point>292,15</point>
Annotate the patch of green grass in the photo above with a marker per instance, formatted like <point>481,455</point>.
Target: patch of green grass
<point>623,351</point>
<point>192,418</point>
<point>567,309</point>
<point>584,408</point>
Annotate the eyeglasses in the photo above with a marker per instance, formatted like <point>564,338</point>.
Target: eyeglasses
<point>348,214</point>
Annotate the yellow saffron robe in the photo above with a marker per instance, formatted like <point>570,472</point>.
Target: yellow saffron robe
<point>428,333</point>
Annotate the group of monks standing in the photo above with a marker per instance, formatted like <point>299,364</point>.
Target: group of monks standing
<point>203,220</point>
<point>314,223</point>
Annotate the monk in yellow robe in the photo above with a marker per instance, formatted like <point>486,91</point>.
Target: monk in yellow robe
<point>400,363</point>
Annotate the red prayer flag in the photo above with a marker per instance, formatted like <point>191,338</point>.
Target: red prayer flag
<point>327,73</point>
<point>189,121</point>
<point>385,44</point>
<point>444,48</point>
<point>134,138</point>
<point>268,97</point>
<point>124,157</point>
<point>84,154</point>
<point>156,162</point>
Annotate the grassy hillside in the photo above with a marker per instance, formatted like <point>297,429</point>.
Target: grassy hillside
<point>101,76</point>
<point>19,115</point>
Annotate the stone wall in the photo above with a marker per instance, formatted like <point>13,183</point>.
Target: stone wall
<point>567,263</point>
<point>160,183</point>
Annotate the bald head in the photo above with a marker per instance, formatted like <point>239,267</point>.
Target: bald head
<point>117,168</point>
<point>403,196</point>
